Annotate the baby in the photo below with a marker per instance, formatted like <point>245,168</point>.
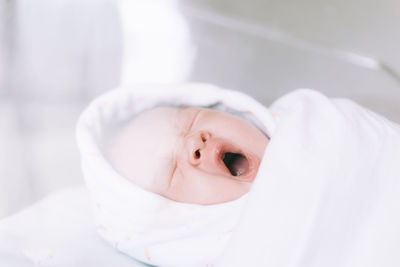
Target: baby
<point>191,155</point>
<point>332,167</point>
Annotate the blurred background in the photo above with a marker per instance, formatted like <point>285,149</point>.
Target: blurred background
<point>57,55</point>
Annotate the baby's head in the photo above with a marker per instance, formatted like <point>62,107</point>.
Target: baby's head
<point>191,155</point>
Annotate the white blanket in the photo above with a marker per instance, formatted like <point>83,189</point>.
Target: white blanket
<point>328,191</point>
<point>143,224</point>
<point>57,231</point>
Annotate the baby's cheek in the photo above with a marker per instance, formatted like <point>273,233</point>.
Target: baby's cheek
<point>204,189</point>
<point>214,189</point>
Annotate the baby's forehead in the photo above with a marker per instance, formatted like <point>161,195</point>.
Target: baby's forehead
<point>142,149</point>
<point>158,116</point>
<point>150,130</point>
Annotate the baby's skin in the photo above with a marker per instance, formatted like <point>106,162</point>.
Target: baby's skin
<point>190,155</point>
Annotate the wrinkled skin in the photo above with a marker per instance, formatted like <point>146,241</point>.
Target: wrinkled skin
<point>179,153</point>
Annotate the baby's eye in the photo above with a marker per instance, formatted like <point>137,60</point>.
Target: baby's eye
<point>197,154</point>
<point>187,118</point>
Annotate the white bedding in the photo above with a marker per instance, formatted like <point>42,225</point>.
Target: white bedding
<point>57,231</point>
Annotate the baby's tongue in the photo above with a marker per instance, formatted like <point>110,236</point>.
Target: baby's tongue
<point>240,165</point>
<point>236,163</point>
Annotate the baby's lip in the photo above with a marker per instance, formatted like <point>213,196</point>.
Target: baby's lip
<point>253,162</point>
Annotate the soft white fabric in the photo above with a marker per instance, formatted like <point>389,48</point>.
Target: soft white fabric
<point>327,194</point>
<point>328,191</point>
<point>142,224</point>
<point>57,231</point>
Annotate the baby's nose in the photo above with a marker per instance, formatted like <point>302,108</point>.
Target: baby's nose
<point>195,147</point>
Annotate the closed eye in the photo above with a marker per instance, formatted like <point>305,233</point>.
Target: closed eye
<point>186,115</point>
<point>194,119</point>
<point>171,178</point>
<point>187,120</point>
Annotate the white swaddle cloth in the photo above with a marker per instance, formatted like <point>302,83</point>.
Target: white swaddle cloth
<point>327,193</point>
<point>142,224</point>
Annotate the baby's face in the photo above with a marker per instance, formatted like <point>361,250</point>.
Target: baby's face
<point>190,155</point>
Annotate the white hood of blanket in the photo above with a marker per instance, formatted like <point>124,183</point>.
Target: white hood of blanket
<point>142,224</point>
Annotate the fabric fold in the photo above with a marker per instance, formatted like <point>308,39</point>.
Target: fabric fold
<point>328,191</point>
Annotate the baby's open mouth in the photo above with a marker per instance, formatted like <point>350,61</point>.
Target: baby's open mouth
<point>236,163</point>
<point>239,164</point>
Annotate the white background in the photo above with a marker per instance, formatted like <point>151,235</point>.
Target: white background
<point>56,55</point>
